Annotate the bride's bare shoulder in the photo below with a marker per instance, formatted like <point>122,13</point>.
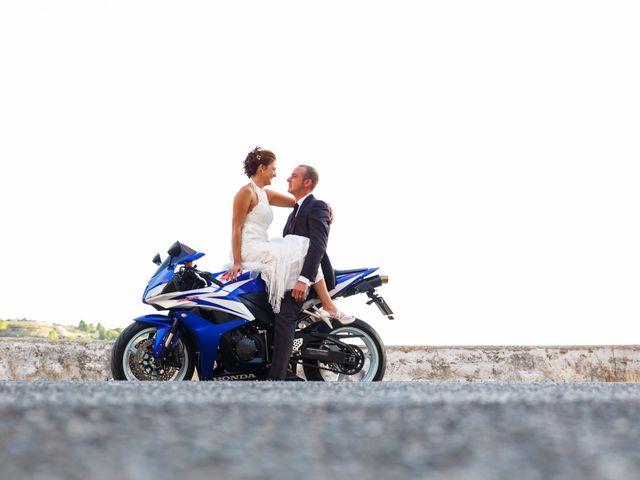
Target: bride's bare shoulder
<point>245,189</point>
<point>245,194</point>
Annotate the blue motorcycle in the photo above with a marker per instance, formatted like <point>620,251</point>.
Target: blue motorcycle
<point>224,329</point>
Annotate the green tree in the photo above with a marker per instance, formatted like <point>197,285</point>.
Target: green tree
<point>102,332</point>
<point>111,335</point>
<point>82,326</point>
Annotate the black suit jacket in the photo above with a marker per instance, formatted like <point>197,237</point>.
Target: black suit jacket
<point>312,221</point>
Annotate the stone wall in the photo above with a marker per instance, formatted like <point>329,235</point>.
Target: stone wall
<point>34,359</point>
<point>618,363</point>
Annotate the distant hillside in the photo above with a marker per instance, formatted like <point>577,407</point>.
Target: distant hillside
<point>32,329</point>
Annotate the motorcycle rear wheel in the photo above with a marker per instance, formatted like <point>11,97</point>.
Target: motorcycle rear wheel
<point>131,357</point>
<point>361,335</point>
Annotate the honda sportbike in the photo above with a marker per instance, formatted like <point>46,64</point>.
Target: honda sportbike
<point>224,329</point>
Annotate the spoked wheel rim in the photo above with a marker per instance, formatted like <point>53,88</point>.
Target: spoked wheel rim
<point>138,361</point>
<point>364,342</point>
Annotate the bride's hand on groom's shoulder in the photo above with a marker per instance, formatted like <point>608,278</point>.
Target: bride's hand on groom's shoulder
<point>330,212</point>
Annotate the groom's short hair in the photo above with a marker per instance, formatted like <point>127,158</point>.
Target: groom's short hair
<point>311,174</point>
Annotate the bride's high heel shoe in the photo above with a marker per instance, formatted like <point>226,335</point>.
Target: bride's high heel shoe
<point>320,315</point>
<point>340,316</point>
<point>343,318</point>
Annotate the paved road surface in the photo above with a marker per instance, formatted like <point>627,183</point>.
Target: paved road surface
<point>105,430</point>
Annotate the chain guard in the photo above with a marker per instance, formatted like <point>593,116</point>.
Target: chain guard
<point>340,368</point>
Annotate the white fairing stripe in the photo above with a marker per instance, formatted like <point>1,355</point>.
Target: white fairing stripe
<point>339,287</point>
<point>214,295</point>
<point>155,291</point>
<point>342,286</point>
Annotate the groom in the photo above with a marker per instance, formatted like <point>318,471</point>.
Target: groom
<point>310,218</point>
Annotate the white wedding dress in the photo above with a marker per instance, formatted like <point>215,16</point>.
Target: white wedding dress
<point>278,260</point>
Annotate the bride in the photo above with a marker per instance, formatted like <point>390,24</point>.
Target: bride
<point>279,260</point>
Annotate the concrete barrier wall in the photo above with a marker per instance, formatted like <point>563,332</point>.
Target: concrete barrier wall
<point>34,359</point>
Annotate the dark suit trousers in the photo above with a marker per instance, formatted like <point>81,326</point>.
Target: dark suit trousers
<point>284,331</point>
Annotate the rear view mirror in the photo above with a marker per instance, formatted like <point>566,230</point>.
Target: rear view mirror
<point>156,259</point>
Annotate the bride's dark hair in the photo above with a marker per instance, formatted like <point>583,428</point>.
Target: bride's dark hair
<point>255,158</point>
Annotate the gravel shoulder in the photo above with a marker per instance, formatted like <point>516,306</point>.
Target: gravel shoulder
<point>436,430</point>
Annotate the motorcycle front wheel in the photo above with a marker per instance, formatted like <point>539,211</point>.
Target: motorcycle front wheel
<point>366,341</point>
<point>132,357</point>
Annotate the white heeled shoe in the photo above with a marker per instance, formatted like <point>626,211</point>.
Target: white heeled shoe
<point>343,318</point>
<point>320,315</point>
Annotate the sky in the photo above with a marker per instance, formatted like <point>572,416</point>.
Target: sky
<point>485,155</point>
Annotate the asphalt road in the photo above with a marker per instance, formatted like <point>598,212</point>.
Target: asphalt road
<point>435,430</point>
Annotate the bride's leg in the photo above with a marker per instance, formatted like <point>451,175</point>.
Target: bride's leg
<point>327,304</point>
<point>323,294</point>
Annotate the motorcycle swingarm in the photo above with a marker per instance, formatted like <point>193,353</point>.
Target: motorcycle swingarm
<point>328,356</point>
<point>333,337</point>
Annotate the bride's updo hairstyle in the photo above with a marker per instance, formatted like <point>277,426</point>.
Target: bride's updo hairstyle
<point>255,158</point>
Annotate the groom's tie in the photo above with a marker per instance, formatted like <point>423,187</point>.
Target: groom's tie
<point>293,218</point>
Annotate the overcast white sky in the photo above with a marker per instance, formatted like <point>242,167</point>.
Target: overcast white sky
<point>484,154</point>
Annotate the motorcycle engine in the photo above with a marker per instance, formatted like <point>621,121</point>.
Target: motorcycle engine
<point>243,350</point>
<point>246,348</point>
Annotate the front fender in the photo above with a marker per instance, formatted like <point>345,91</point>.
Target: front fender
<point>155,319</point>
<point>164,325</point>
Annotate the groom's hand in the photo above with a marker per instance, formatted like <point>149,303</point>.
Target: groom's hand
<point>299,292</point>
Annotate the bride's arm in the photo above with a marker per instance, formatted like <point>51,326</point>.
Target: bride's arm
<point>280,199</point>
<point>241,204</point>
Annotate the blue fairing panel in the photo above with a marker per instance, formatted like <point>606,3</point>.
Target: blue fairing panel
<point>206,334</point>
<point>344,275</point>
<point>344,278</point>
<point>255,285</point>
<point>190,258</point>
<point>160,278</point>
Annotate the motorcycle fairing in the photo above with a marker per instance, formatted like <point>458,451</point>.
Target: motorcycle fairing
<point>345,278</point>
<point>206,335</point>
<point>224,298</point>
<point>165,271</point>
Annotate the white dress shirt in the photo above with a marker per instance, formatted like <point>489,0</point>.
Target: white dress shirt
<point>302,279</point>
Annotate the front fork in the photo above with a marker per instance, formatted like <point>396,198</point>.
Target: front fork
<point>165,336</point>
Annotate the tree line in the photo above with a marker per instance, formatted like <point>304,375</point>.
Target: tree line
<point>103,332</point>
